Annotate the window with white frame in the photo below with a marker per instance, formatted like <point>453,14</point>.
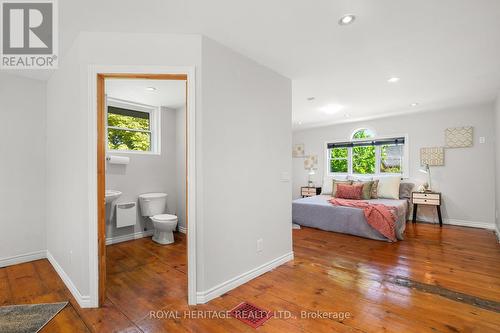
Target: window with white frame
<point>366,154</point>
<point>132,127</point>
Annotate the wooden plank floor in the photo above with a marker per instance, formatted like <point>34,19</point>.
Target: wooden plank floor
<point>409,286</point>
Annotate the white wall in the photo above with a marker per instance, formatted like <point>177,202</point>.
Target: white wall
<point>146,173</point>
<point>243,117</point>
<point>22,170</point>
<point>466,180</point>
<point>67,190</point>
<point>68,163</point>
<point>246,131</point>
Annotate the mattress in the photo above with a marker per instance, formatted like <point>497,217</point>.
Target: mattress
<point>317,212</point>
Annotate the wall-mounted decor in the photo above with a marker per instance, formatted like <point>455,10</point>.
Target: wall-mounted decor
<point>298,150</point>
<point>432,156</point>
<point>459,137</point>
<point>310,162</point>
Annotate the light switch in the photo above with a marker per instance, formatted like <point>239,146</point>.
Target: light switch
<point>260,245</point>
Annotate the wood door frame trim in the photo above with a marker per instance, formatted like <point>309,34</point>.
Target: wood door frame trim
<point>135,76</point>
<point>101,188</point>
<point>97,241</point>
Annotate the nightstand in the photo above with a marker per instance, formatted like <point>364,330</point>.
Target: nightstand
<point>307,191</point>
<point>429,199</point>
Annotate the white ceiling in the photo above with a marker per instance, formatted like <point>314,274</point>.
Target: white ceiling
<point>169,93</point>
<point>446,52</point>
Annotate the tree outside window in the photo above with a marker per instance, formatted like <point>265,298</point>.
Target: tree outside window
<point>391,159</point>
<point>363,133</point>
<point>339,160</point>
<point>128,129</point>
<point>363,158</point>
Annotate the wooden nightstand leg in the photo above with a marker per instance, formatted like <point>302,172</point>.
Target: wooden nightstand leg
<point>439,216</point>
<point>415,213</point>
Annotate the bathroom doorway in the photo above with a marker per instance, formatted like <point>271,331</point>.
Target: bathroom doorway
<point>143,156</point>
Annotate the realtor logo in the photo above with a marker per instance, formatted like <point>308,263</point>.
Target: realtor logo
<point>29,36</point>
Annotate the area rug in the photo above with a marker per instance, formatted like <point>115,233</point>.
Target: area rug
<point>27,318</point>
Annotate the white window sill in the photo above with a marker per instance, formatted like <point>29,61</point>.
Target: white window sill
<point>133,152</point>
<point>404,176</point>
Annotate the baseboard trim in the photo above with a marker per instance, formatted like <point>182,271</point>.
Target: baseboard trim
<point>497,232</point>
<point>83,301</point>
<point>462,223</point>
<point>205,296</point>
<point>124,238</point>
<point>471,224</point>
<point>22,258</point>
<point>183,229</point>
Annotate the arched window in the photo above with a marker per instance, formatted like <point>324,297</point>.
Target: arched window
<point>362,133</point>
<point>367,154</point>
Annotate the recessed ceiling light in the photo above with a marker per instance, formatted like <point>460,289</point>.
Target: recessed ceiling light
<point>300,123</point>
<point>413,104</point>
<point>311,98</point>
<point>393,80</point>
<point>151,89</point>
<point>331,108</point>
<point>347,19</point>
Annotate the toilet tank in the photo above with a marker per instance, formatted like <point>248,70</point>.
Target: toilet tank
<point>152,203</point>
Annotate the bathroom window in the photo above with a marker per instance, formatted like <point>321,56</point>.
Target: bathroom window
<point>132,127</point>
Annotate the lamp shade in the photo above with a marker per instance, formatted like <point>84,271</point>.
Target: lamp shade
<point>426,170</point>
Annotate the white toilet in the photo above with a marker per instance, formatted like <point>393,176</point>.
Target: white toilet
<point>153,205</point>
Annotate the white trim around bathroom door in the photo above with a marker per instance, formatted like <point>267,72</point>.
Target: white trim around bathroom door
<point>93,72</point>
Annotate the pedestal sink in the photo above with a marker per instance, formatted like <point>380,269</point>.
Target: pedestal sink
<point>111,196</point>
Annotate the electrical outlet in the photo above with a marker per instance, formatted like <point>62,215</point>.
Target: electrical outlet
<point>482,139</point>
<point>260,245</point>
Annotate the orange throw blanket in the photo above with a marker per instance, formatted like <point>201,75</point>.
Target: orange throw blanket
<point>380,217</point>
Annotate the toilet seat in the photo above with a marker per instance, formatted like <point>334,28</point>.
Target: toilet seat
<point>164,218</point>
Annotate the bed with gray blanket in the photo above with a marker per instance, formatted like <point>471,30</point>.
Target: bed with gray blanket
<point>317,212</point>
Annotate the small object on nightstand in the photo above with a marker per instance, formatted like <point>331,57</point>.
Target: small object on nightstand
<point>309,181</point>
<point>426,198</point>
<point>307,191</point>
<point>427,186</point>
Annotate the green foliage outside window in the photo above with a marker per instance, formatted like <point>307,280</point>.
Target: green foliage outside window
<point>391,158</point>
<point>362,134</point>
<point>338,161</point>
<point>363,158</point>
<point>123,139</point>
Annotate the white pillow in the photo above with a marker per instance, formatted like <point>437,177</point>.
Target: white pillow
<point>388,187</point>
<point>327,187</point>
<point>360,178</point>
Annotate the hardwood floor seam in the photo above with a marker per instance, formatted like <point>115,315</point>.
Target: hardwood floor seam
<point>135,324</point>
<point>446,293</point>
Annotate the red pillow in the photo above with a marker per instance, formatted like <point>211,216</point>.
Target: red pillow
<point>354,192</point>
